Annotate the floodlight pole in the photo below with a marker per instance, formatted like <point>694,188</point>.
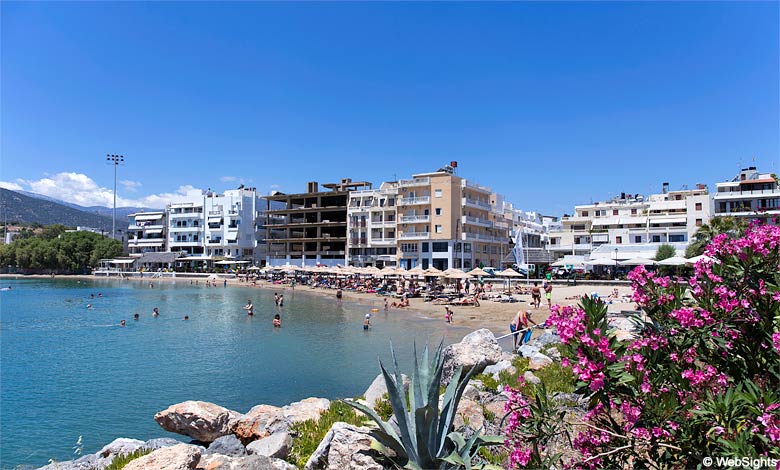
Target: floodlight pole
<point>116,160</point>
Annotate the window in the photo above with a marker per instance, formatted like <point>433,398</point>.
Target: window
<point>409,247</point>
<point>437,193</point>
<point>438,228</point>
<point>698,206</point>
<point>633,211</point>
<point>438,211</point>
<point>614,212</point>
<point>424,247</point>
<point>699,222</point>
<point>656,239</point>
<point>638,239</point>
<point>676,238</point>
<point>618,240</point>
<point>584,213</point>
<point>425,263</point>
<point>439,247</point>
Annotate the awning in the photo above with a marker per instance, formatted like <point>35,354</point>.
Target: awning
<point>154,230</point>
<point>195,258</point>
<point>232,236</point>
<point>147,241</point>
<point>215,219</point>
<point>668,220</point>
<point>122,261</point>
<point>149,217</point>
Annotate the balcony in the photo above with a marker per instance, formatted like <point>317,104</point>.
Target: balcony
<point>469,202</point>
<point>383,223</point>
<point>476,187</point>
<point>484,238</point>
<point>476,221</point>
<point>172,243</point>
<point>414,235</point>
<point>215,213</point>
<point>185,229</point>
<point>358,241</point>
<point>186,215</point>
<point>383,241</point>
<point>411,201</point>
<point>415,219</point>
<point>414,182</point>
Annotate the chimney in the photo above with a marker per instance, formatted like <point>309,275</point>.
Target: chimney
<point>312,187</point>
<point>665,188</point>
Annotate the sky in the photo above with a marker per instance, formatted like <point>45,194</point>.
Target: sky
<point>550,104</point>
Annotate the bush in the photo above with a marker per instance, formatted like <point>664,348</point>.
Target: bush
<point>702,377</point>
<point>308,434</point>
<point>121,460</point>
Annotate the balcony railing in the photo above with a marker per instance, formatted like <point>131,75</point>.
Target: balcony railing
<point>414,182</point>
<point>414,235</point>
<point>414,219</point>
<point>477,187</point>
<point>409,201</point>
<point>467,201</point>
<point>476,221</point>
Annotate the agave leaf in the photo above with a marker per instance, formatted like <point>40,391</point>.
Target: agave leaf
<point>450,408</point>
<point>386,428</point>
<point>454,459</point>
<point>398,402</point>
<point>416,392</point>
<point>433,395</point>
<point>425,372</point>
<point>444,420</point>
<point>458,439</point>
<point>424,418</point>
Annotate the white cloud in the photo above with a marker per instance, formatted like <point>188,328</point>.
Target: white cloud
<point>11,186</point>
<point>80,189</point>
<point>228,179</point>
<point>131,186</point>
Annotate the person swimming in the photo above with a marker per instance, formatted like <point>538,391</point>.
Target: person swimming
<point>277,321</point>
<point>136,316</point>
<point>91,296</point>
<point>186,317</point>
<point>155,312</point>
<point>89,306</point>
<point>122,323</point>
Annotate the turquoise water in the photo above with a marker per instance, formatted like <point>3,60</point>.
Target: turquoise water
<point>67,371</point>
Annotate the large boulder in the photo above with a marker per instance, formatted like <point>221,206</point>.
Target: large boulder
<point>310,408</point>
<point>159,443</point>
<point>546,339</point>
<point>121,446</point>
<point>378,388</point>
<point>251,462</point>
<point>200,420</point>
<point>530,378</point>
<point>344,447</point>
<point>276,445</point>
<point>261,421</point>
<point>469,414</point>
<point>539,361</point>
<point>498,367</point>
<point>178,457</point>
<point>88,462</point>
<point>227,445</point>
<point>476,350</point>
<point>471,392</point>
<point>528,350</point>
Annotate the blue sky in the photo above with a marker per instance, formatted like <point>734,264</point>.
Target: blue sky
<point>551,104</point>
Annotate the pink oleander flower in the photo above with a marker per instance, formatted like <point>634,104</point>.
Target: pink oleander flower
<point>520,457</point>
<point>776,341</point>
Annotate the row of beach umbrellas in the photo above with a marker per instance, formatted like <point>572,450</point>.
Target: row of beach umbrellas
<point>452,273</point>
<point>673,261</point>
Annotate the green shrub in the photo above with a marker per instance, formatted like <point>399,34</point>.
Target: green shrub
<point>383,407</point>
<point>121,460</point>
<point>308,434</point>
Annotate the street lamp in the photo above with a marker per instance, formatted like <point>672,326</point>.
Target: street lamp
<point>116,160</point>
<point>616,265</point>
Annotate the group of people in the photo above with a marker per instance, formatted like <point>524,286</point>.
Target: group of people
<point>278,300</point>
<point>155,314</point>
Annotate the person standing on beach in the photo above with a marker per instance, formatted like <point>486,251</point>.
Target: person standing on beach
<point>386,304</point>
<point>548,294</point>
<point>448,314</point>
<point>519,324</point>
<point>536,295</point>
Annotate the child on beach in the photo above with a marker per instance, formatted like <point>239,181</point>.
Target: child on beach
<point>447,315</point>
<point>367,321</point>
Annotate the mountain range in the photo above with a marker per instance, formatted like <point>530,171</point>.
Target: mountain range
<point>27,207</point>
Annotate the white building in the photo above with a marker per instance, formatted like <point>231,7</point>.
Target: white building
<point>372,226</point>
<point>146,233</point>
<point>750,195</point>
<point>628,221</point>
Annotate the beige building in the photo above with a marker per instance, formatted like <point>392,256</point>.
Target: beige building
<point>446,221</point>
<point>372,226</point>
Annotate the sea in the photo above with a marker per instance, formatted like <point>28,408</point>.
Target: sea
<point>70,372</point>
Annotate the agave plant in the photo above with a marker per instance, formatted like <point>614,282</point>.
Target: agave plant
<point>425,438</point>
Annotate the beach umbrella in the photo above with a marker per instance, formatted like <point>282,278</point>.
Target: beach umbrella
<point>387,271</point>
<point>478,272</point>
<point>673,261</point>
<point>433,272</point>
<point>509,273</point>
<point>415,271</point>
<point>602,262</point>
<point>637,262</point>
<point>254,268</point>
<point>373,270</point>
<point>455,273</point>
<point>696,259</point>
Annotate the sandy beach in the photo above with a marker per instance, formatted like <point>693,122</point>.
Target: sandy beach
<point>495,316</point>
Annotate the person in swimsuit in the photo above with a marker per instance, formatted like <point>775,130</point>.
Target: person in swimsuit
<point>277,321</point>
<point>536,295</point>
<point>447,314</point>
<point>155,312</point>
<point>367,321</point>
<point>548,294</point>
<point>281,300</point>
<point>122,323</point>
<point>250,309</point>
<point>136,317</point>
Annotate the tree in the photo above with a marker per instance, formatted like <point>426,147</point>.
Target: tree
<point>733,226</point>
<point>664,251</point>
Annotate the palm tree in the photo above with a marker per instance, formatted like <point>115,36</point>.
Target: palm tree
<point>734,226</point>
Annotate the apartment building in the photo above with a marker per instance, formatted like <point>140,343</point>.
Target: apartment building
<point>146,233</point>
<point>750,194</point>
<point>446,221</point>
<point>372,226</point>
<point>533,230</point>
<point>311,228</point>
<point>669,217</point>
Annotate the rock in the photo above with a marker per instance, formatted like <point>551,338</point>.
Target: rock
<point>88,462</point>
<point>569,399</point>
<point>496,368</point>
<point>538,361</point>
<point>200,420</point>
<point>530,378</point>
<point>622,323</point>
<point>310,408</point>
<point>546,339</point>
<point>344,447</point>
<point>160,443</point>
<point>496,407</point>
<point>469,414</point>
<point>252,462</point>
<point>121,446</point>
<point>227,445</point>
<point>471,392</point>
<point>276,445</point>
<point>553,354</point>
<point>476,350</point>
<point>178,457</point>
<point>477,384</point>
<point>256,423</point>
<point>528,350</point>
<point>624,335</point>
<point>378,388</point>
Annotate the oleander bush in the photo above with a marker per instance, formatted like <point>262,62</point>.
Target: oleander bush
<point>701,378</point>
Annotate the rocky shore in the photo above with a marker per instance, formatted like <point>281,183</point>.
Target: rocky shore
<point>262,438</point>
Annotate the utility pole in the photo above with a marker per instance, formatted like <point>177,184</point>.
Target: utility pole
<point>5,221</point>
<point>116,160</point>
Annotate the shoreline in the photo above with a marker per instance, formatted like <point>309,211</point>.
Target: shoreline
<point>494,316</point>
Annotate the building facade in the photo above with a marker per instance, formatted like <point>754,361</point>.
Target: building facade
<point>751,195</point>
<point>311,228</point>
<point>372,226</point>
<point>146,233</point>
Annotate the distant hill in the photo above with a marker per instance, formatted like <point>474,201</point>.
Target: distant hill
<point>25,209</point>
<point>122,212</point>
